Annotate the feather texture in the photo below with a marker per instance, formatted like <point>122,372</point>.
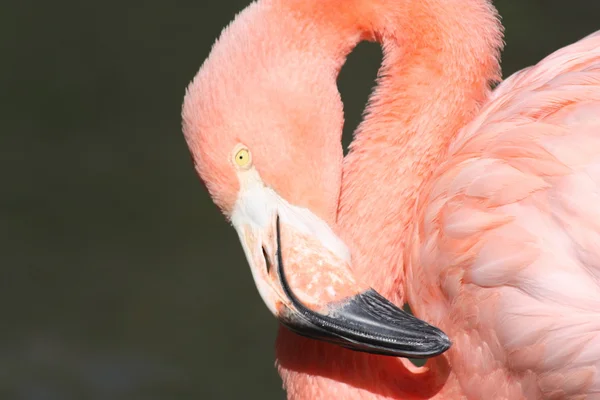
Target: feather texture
<point>508,231</point>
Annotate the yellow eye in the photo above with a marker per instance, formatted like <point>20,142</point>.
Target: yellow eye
<point>242,158</point>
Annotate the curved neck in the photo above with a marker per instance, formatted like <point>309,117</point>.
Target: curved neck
<point>439,59</point>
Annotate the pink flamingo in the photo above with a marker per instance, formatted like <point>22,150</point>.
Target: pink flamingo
<point>479,208</point>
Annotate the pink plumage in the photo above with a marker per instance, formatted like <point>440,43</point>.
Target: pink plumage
<point>510,234</point>
<point>479,208</point>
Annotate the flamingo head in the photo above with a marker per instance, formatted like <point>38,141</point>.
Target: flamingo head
<point>263,124</point>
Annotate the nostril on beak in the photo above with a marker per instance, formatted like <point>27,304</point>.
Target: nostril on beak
<point>267,261</point>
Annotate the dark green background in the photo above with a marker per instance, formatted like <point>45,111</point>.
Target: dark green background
<point>120,280</point>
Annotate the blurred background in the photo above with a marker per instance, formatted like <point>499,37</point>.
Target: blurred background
<point>119,278</point>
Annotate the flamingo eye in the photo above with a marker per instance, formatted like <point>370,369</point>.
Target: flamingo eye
<point>242,158</point>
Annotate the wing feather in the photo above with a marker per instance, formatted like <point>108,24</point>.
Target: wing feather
<point>509,233</point>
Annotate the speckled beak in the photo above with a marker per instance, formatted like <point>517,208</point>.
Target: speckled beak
<point>364,321</point>
<point>302,272</point>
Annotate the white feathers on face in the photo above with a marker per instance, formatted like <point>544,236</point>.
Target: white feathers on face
<point>254,216</point>
<point>257,205</point>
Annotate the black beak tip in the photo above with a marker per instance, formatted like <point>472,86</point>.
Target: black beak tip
<point>366,322</point>
<point>370,323</point>
<point>445,341</point>
<point>437,343</point>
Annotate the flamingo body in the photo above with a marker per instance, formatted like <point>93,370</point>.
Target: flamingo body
<point>508,231</point>
<point>479,208</point>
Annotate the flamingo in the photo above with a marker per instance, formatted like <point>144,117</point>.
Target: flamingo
<point>477,207</point>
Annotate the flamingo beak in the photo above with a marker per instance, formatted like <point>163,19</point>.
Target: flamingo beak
<point>301,269</point>
<point>358,319</point>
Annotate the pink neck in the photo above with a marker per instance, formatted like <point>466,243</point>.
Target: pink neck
<point>438,64</point>
<point>439,58</point>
